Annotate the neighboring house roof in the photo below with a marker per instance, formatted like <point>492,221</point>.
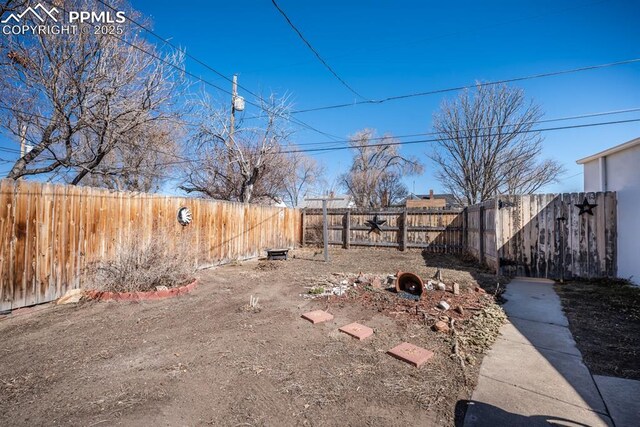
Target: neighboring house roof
<point>450,198</point>
<point>346,203</point>
<point>610,151</point>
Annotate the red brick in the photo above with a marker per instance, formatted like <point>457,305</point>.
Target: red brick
<point>317,316</point>
<point>357,330</point>
<point>411,354</point>
<point>174,292</point>
<point>162,293</point>
<point>191,286</point>
<point>142,295</point>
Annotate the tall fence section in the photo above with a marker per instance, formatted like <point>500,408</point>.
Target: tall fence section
<point>542,235</point>
<point>50,233</point>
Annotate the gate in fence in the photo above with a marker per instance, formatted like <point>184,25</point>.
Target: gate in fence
<point>557,236</point>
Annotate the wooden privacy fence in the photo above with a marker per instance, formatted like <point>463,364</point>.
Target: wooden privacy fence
<point>545,235</point>
<point>49,233</point>
<point>432,230</point>
<point>541,235</point>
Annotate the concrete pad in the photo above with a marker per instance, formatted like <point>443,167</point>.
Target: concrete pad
<point>535,300</point>
<point>495,403</point>
<point>621,397</point>
<point>411,354</point>
<point>550,373</point>
<point>357,330</point>
<point>540,335</point>
<point>317,316</point>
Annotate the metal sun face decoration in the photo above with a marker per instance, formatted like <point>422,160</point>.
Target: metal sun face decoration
<point>586,207</point>
<point>375,224</point>
<point>184,216</point>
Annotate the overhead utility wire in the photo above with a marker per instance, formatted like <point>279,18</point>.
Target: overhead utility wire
<point>558,119</point>
<point>317,150</point>
<point>411,142</point>
<point>315,52</point>
<point>186,160</point>
<point>207,66</point>
<point>453,89</point>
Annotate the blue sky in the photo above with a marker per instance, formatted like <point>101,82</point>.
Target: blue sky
<point>385,48</point>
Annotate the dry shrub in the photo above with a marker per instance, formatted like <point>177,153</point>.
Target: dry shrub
<point>314,235</point>
<point>141,264</point>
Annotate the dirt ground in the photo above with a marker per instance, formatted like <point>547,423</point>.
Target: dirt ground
<point>604,318</point>
<point>208,359</point>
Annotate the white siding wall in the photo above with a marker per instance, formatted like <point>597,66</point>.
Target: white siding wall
<point>623,177</point>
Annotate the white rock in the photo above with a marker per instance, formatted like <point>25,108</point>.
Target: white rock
<point>443,305</point>
<point>441,286</point>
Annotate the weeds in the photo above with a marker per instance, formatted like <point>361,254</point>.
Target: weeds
<point>142,265</point>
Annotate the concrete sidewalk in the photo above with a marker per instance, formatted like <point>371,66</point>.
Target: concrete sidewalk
<point>534,373</point>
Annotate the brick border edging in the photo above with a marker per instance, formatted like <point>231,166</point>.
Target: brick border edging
<point>141,296</point>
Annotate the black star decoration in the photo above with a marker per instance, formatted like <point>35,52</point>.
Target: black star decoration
<point>375,224</point>
<point>586,207</point>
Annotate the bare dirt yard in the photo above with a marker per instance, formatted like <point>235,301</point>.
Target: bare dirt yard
<point>207,358</point>
<point>604,318</point>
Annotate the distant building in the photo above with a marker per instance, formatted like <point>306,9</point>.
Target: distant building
<point>616,169</point>
<point>432,201</point>
<point>346,202</point>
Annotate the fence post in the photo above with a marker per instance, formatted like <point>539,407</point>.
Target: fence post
<point>403,244</point>
<point>465,229</point>
<point>304,226</point>
<point>481,234</point>
<point>347,230</point>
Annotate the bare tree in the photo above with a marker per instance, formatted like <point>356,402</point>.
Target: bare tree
<point>244,165</point>
<point>305,173</point>
<point>143,164</point>
<point>489,145</point>
<point>391,190</point>
<point>77,99</point>
<point>375,163</point>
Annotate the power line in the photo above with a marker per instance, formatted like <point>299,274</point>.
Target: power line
<point>317,150</point>
<point>329,149</point>
<point>558,119</point>
<point>453,89</point>
<point>204,64</point>
<point>315,52</point>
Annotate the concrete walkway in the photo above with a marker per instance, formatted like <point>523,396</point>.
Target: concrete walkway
<point>534,374</point>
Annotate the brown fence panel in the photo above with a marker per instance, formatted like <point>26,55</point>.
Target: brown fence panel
<point>50,233</point>
<point>431,230</point>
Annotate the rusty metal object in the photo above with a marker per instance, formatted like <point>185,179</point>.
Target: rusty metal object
<point>409,283</point>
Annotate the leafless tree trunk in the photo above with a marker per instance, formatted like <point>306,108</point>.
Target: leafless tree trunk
<point>84,97</point>
<point>488,145</point>
<point>246,166</point>
<point>374,166</point>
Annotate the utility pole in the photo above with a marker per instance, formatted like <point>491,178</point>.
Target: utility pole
<point>325,228</point>
<point>234,95</point>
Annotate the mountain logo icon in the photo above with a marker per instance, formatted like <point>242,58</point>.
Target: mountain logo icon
<point>39,12</point>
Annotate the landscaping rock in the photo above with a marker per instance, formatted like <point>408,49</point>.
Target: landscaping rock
<point>456,289</point>
<point>72,296</point>
<point>443,305</point>
<point>441,326</point>
<point>459,309</point>
<point>442,286</point>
